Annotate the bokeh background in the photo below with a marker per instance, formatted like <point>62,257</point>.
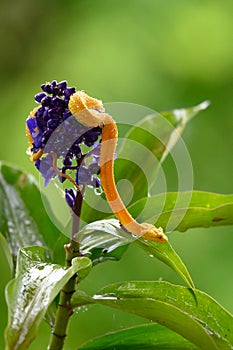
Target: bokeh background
<point>158,53</point>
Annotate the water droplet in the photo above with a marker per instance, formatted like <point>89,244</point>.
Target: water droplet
<point>81,309</point>
<point>209,331</point>
<point>105,296</point>
<point>98,191</point>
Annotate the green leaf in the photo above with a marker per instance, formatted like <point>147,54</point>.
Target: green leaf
<point>23,218</point>
<point>103,240</point>
<point>28,296</point>
<point>148,143</point>
<point>181,116</point>
<point>165,253</point>
<point>170,210</point>
<point>6,251</point>
<point>149,336</point>
<point>145,146</point>
<point>193,314</point>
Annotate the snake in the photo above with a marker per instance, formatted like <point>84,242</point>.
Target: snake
<point>90,112</point>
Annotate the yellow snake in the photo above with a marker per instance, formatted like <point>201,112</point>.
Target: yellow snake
<point>90,112</point>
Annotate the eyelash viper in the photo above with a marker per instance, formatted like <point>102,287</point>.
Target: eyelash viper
<point>90,112</point>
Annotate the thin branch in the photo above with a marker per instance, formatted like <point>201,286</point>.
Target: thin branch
<point>76,213</point>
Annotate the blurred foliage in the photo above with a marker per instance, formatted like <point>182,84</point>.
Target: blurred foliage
<point>160,54</point>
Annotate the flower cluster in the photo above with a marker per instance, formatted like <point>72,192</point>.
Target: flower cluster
<point>51,128</point>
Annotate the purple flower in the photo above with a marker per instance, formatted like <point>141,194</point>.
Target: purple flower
<point>52,128</point>
<point>83,176</point>
<point>45,166</point>
<point>70,196</point>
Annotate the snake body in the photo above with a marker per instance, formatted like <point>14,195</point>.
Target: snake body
<point>90,112</point>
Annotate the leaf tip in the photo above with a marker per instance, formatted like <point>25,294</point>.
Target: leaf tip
<point>204,105</point>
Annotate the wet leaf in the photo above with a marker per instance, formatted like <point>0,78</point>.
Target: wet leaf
<point>29,295</point>
<point>185,210</point>
<point>105,240</point>
<point>6,251</point>
<point>149,142</point>
<point>149,336</point>
<point>191,313</point>
<point>23,218</point>
<point>165,253</point>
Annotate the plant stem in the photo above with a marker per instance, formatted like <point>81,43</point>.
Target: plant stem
<point>64,310</point>
<point>76,213</point>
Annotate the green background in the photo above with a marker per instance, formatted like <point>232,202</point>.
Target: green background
<point>160,54</point>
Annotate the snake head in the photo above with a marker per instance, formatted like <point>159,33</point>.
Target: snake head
<point>153,233</point>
